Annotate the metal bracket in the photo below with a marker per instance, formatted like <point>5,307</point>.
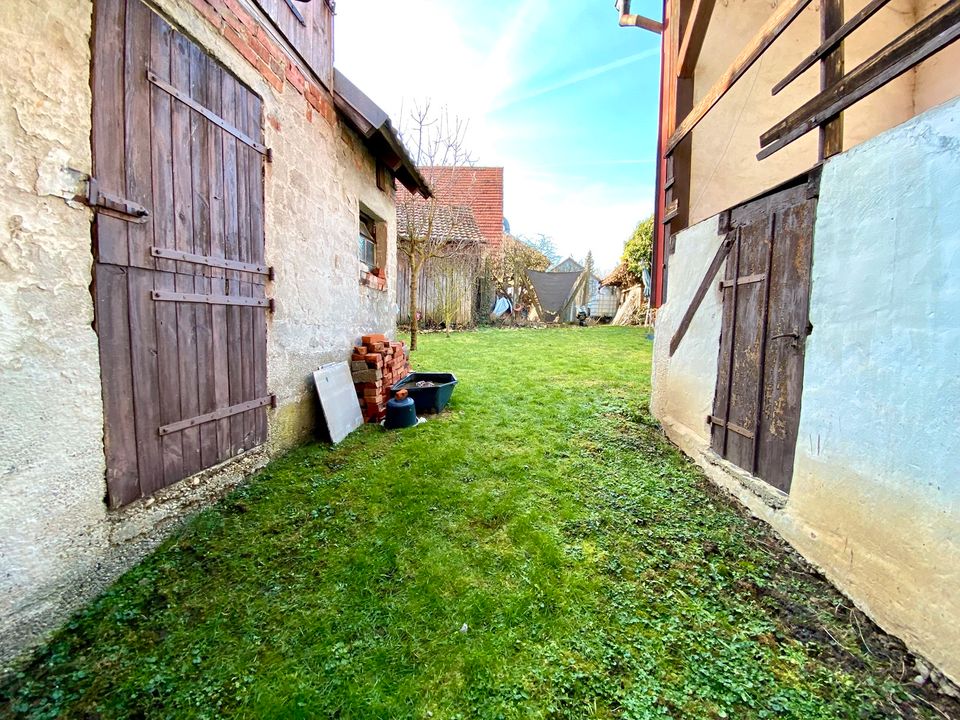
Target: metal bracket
<point>107,203</point>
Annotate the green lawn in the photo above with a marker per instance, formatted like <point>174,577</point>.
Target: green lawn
<point>539,551</point>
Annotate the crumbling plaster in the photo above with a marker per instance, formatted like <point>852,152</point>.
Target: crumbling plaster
<point>59,546</point>
<point>875,500</point>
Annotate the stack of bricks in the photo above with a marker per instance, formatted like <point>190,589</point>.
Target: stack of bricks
<point>377,364</point>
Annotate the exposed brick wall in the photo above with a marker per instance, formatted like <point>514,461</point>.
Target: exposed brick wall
<point>258,48</point>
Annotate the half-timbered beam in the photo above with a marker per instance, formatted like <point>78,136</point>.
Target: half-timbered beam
<point>781,18</point>
<point>935,32</point>
<point>693,35</point>
<point>868,11</point>
<point>831,71</point>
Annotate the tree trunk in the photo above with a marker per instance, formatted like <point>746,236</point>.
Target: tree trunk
<point>414,287</point>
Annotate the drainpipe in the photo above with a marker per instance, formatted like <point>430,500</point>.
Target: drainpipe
<point>628,20</point>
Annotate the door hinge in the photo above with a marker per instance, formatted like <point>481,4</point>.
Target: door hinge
<point>113,205</point>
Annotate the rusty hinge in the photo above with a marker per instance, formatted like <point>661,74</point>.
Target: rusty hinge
<point>113,205</point>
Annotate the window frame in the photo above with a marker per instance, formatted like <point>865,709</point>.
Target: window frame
<point>367,242</point>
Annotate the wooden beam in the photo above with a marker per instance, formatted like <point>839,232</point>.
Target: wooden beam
<point>831,72</point>
<point>781,18</point>
<point>869,10</point>
<point>935,32</point>
<point>701,292</point>
<point>693,35</point>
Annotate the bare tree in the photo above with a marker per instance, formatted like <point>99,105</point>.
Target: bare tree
<point>432,228</point>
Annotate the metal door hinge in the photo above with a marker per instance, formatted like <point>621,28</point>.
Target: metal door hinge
<point>107,203</point>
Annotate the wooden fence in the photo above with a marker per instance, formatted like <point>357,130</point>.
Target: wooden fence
<point>446,293</point>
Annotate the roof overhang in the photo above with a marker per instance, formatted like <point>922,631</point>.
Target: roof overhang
<point>373,124</point>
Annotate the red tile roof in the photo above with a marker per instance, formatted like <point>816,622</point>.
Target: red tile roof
<point>481,188</point>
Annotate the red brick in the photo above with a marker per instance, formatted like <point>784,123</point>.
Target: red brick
<point>373,338</point>
<point>295,77</point>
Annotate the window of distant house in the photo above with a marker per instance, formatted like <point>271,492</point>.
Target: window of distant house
<point>368,241</point>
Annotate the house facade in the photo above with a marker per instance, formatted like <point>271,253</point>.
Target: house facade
<point>185,185</point>
<point>806,273</point>
<point>468,200</point>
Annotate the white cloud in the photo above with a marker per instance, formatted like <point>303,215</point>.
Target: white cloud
<point>398,52</point>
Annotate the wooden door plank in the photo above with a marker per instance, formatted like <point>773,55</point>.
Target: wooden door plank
<point>167,380</point>
<point>185,241</point>
<point>119,433</point>
<point>764,322</point>
<point>787,327</point>
<point>228,96</point>
<point>244,349</point>
<point>108,124</point>
<point>161,144</point>
<point>140,280</point>
<point>137,130</point>
<point>218,313</point>
<point>200,130</point>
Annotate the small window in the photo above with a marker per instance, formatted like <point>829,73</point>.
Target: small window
<point>368,241</point>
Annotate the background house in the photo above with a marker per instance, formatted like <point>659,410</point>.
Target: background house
<point>807,335</point>
<point>189,179</point>
<point>473,202</point>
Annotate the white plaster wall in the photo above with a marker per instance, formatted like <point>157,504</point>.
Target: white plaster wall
<point>875,499</point>
<point>875,475</point>
<point>59,546</point>
<point>683,385</point>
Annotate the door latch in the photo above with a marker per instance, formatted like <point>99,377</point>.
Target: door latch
<point>107,203</point>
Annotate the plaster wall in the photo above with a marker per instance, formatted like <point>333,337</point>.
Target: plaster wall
<point>59,545</point>
<point>936,78</point>
<point>683,385</point>
<point>724,167</point>
<point>875,499</point>
<point>875,471</point>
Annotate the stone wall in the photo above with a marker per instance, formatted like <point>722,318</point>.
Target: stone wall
<point>875,498</point>
<point>59,545</point>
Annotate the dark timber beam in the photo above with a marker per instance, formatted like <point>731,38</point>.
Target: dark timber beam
<point>869,10</point>
<point>694,32</point>
<point>935,32</point>
<point>781,18</point>
<point>831,72</point>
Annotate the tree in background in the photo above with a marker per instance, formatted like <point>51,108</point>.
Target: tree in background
<point>638,249</point>
<point>542,244</point>
<point>428,229</point>
<point>511,276</point>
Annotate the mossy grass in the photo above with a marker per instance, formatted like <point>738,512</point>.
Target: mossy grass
<point>537,551</point>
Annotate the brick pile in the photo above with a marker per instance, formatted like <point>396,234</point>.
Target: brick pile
<point>376,364</point>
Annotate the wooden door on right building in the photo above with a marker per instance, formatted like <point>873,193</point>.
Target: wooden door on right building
<point>766,291</point>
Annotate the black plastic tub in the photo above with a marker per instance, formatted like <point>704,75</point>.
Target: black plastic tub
<point>430,391</point>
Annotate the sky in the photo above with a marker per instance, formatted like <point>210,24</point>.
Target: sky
<point>553,90</point>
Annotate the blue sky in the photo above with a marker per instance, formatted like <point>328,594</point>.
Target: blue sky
<point>555,92</point>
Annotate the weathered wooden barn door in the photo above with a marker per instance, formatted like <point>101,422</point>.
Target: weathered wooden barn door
<point>179,276</point>
<point>756,411</point>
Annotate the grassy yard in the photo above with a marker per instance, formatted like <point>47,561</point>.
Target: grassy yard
<point>539,551</point>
